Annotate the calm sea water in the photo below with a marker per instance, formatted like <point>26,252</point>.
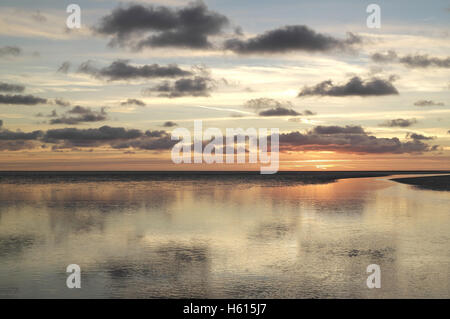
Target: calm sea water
<point>222,238</point>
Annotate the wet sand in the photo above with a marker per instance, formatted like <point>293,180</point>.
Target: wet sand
<point>440,183</point>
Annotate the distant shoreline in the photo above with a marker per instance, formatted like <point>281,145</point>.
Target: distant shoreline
<point>300,177</point>
<point>440,183</point>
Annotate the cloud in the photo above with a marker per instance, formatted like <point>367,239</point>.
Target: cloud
<point>64,67</point>
<point>84,114</point>
<point>21,99</point>
<point>122,70</point>
<point>6,87</point>
<point>416,136</point>
<point>147,143</point>
<point>197,86</point>
<point>399,123</point>
<point>91,136</point>
<point>52,114</point>
<point>7,51</point>
<point>290,38</point>
<point>349,139</point>
<point>428,103</point>
<point>61,102</point>
<point>354,87</point>
<point>116,137</point>
<point>390,56</point>
<point>133,101</point>
<point>279,111</point>
<point>308,112</point>
<point>16,145</point>
<point>412,61</point>
<point>169,124</point>
<point>10,135</point>
<point>138,26</point>
<point>38,17</point>
<point>348,129</point>
<point>423,61</point>
<point>265,103</point>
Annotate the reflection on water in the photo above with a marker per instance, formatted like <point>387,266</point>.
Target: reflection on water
<point>223,239</point>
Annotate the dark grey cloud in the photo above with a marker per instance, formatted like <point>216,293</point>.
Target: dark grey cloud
<point>122,70</point>
<point>349,139</point>
<point>138,26</point>
<point>133,101</point>
<point>61,102</point>
<point>196,86</point>
<point>21,99</point>
<point>169,124</point>
<point>279,111</point>
<point>83,114</point>
<point>354,87</point>
<point>115,137</point>
<point>64,67</point>
<point>265,103</point>
<point>424,61</point>
<point>399,123</point>
<point>387,57</point>
<point>348,129</point>
<point>353,139</point>
<point>308,112</point>
<point>6,51</point>
<point>156,133</point>
<point>412,61</point>
<point>428,103</point>
<point>17,145</point>
<point>10,135</point>
<point>91,135</point>
<point>147,143</point>
<point>290,38</point>
<point>416,136</point>
<point>7,87</point>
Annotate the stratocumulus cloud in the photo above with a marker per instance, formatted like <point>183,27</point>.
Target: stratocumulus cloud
<point>411,61</point>
<point>7,87</point>
<point>21,99</point>
<point>279,111</point>
<point>7,51</point>
<point>399,123</point>
<point>82,115</point>
<point>290,38</point>
<point>416,136</point>
<point>138,26</point>
<point>428,103</point>
<point>350,139</point>
<point>133,102</point>
<point>354,87</point>
<point>196,86</point>
<point>122,70</point>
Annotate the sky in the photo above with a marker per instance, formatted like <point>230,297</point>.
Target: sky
<point>107,95</point>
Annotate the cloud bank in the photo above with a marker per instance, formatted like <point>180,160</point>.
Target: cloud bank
<point>354,87</point>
